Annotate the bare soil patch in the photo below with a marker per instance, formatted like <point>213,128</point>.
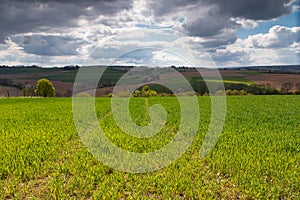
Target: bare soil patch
<point>62,88</point>
<point>276,80</point>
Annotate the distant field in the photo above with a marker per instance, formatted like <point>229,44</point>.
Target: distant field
<point>64,78</point>
<point>251,72</point>
<point>256,157</point>
<point>225,79</point>
<point>26,70</point>
<point>108,76</point>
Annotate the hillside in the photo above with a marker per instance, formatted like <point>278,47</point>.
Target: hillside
<point>13,80</point>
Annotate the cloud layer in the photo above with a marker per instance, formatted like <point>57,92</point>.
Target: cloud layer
<point>56,32</point>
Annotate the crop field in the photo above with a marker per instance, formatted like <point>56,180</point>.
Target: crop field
<point>227,79</point>
<point>108,76</point>
<point>26,70</point>
<point>256,157</point>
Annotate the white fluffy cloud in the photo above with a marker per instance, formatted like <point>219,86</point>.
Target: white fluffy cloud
<point>278,37</point>
<point>279,46</point>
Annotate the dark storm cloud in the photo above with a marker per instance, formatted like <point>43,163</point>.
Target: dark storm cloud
<point>210,24</point>
<point>254,9</point>
<point>32,16</point>
<point>210,17</point>
<point>41,15</point>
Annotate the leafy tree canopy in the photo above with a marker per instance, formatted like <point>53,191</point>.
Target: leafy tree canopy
<point>44,88</point>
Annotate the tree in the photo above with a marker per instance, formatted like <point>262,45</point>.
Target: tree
<point>137,93</point>
<point>28,90</point>
<point>145,92</point>
<point>44,88</point>
<point>152,93</point>
<point>200,87</point>
<point>68,93</point>
<point>297,86</point>
<point>286,87</point>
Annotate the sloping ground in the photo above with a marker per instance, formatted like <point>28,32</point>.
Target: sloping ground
<point>63,79</point>
<point>276,80</point>
<point>206,72</point>
<point>61,87</point>
<point>212,73</point>
<point>9,91</point>
<point>34,75</point>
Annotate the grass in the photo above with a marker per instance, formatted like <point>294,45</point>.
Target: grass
<point>256,157</point>
<point>237,79</point>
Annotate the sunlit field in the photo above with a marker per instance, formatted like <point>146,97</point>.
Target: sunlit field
<point>257,155</point>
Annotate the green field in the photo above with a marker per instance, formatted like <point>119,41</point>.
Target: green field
<point>27,70</point>
<point>251,72</point>
<point>257,155</point>
<point>108,76</point>
<point>225,79</point>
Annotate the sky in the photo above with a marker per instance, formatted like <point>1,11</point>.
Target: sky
<point>223,33</point>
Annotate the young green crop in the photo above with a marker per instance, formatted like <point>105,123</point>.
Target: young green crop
<point>257,155</point>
